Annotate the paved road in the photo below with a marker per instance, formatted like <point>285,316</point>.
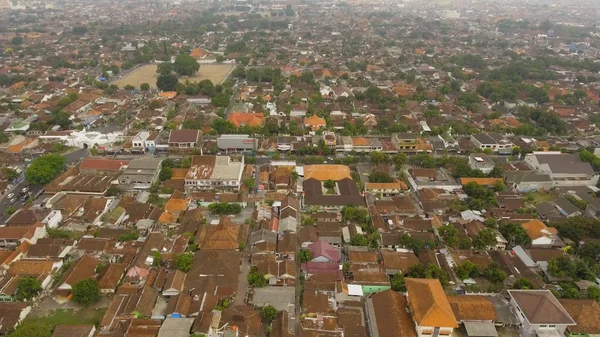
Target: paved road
<point>34,190</point>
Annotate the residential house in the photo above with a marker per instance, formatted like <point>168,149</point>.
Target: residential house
<point>288,214</point>
<point>210,172</point>
<point>539,313</point>
<point>476,313</point>
<point>481,162</point>
<point>324,252</point>
<point>184,138</point>
<point>526,181</point>
<point>388,316</point>
<point>386,189</point>
<point>565,169</point>
<point>101,166</point>
<point>141,173</point>
<point>77,330</point>
<point>396,262</point>
<point>540,234</point>
<point>12,314</point>
<point>495,142</point>
<point>83,268</point>
<point>250,119</point>
<point>585,313</point>
<point>315,122</point>
<point>429,308</point>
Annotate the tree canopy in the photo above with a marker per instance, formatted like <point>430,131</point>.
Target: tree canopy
<point>86,292</point>
<point>27,288</point>
<point>43,169</point>
<point>184,262</point>
<point>167,82</point>
<point>185,65</point>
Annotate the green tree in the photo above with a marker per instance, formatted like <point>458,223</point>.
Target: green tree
<point>4,137</point>
<point>397,282</point>
<point>167,82</point>
<point>17,40</point>
<point>145,86</point>
<point>129,87</point>
<point>268,313</point>
<point>329,184</point>
<point>380,177</point>
<point>185,65</point>
<point>249,183</point>
<point>467,270</point>
<point>37,329</point>
<point>593,293</point>
<point>378,157</point>
<point>186,163</point>
<point>571,292</point>
<point>493,273</point>
<point>515,234</point>
<point>256,278</point>
<point>165,173</point>
<point>184,262</point>
<point>359,240</point>
<point>165,68</point>
<point>43,169</point>
<point>224,208</point>
<point>485,238</point>
<point>449,234</point>
<point>304,255</point>
<point>523,283</point>
<point>86,292</point>
<point>27,288</point>
<point>10,173</point>
<point>562,267</point>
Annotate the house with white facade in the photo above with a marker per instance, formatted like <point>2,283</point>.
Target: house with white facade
<point>540,234</point>
<point>539,313</point>
<point>429,308</point>
<point>215,172</point>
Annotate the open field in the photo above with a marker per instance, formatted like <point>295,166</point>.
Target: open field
<point>147,74</point>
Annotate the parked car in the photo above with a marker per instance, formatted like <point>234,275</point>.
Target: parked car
<point>25,189</point>
<point>10,195</point>
<point>13,200</point>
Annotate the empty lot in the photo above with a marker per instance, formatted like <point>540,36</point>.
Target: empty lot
<point>147,74</point>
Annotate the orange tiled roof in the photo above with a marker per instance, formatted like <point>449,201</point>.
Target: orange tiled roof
<point>250,119</point>
<point>428,303</point>
<point>314,120</point>
<point>536,229</point>
<point>360,141</point>
<point>481,181</point>
<point>198,53</point>
<point>168,94</point>
<point>179,173</point>
<point>325,172</point>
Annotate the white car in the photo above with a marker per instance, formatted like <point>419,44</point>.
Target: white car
<point>10,195</point>
<point>25,189</point>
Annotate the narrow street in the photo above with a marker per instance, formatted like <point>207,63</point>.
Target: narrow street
<point>242,287</point>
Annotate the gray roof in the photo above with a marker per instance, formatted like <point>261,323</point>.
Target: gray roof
<point>519,177</point>
<point>566,206</point>
<point>480,329</point>
<point>278,297</point>
<point>565,163</point>
<point>484,138</point>
<point>545,208</point>
<point>263,235</point>
<point>176,327</point>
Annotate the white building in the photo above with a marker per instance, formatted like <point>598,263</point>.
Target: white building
<point>85,139</point>
<point>539,313</point>
<point>215,172</point>
<point>565,169</point>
